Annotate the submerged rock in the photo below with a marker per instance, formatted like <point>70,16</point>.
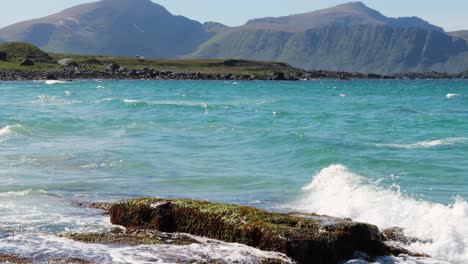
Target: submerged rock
<point>306,238</point>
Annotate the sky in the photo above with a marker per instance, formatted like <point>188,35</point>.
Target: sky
<point>450,14</point>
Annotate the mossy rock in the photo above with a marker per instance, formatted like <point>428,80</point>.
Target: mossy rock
<point>19,51</point>
<point>306,238</point>
<point>131,237</point>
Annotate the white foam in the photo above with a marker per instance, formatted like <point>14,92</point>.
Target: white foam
<point>426,144</point>
<point>131,101</point>
<point>51,82</point>
<point>44,247</point>
<point>339,192</point>
<point>6,130</point>
<point>452,95</point>
<point>15,193</point>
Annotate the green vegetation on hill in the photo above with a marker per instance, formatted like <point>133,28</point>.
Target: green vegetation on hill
<point>17,51</point>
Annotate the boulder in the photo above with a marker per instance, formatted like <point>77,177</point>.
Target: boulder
<point>27,62</point>
<point>306,238</point>
<point>113,67</point>
<point>3,56</point>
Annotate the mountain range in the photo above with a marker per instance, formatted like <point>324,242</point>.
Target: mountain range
<point>350,37</point>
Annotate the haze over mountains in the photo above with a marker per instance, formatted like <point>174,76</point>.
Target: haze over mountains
<point>349,37</point>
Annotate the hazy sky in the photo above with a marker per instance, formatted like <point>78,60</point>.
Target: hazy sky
<point>450,14</point>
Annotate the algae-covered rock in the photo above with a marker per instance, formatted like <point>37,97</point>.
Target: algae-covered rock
<point>306,238</point>
<point>131,237</point>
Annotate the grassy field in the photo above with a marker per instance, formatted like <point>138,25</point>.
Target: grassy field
<point>16,52</point>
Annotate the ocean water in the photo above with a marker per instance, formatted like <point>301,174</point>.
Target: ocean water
<point>392,153</point>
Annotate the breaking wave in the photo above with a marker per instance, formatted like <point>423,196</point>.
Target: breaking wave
<point>426,144</point>
<point>339,192</point>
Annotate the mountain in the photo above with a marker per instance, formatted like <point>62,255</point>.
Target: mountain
<point>117,27</point>
<point>350,14</point>
<point>350,37</point>
<point>460,34</point>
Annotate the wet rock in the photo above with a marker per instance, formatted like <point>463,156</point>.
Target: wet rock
<point>131,237</point>
<point>14,259</point>
<point>307,238</point>
<point>27,62</point>
<point>397,234</point>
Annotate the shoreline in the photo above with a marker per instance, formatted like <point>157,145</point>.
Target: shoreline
<point>304,238</point>
<point>152,74</point>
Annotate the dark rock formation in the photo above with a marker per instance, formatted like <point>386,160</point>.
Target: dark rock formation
<point>397,234</point>
<point>83,73</point>
<point>27,62</point>
<point>307,238</point>
<point>113,67</point>
<point>3,55</point>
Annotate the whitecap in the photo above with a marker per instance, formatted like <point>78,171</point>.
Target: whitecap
<point>452,95</point>
<point>131,101</point>
<point>51,82</point>
<point>339,192</point>
<point>426,144</point>
<point>6,130</point>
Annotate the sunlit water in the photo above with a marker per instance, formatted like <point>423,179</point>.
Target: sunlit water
<point>392,153</point>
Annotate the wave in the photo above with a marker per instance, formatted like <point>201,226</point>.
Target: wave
<point>22,193</point>
<point>339,192</point>
<point>452,95</point>
<point>9,130</point>
<point>52,82</point>
<point>45,247</point>
<point>426,144</point>
<point>134,102</point>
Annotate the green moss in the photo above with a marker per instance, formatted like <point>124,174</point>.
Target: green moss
<point>307,238</point>
<point>111,238</point>
<point>19,50</point>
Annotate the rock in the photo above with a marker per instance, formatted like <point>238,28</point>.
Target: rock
<point>73,65</point>
<point>51,76</point>
<point>27,62</point>
<point>397,234</point>
<point>279,76</point>
<point>306,238</point>
<point>13,259</point>
<point>3,56</point>
<point>131,237</point>
<point>113,67</point>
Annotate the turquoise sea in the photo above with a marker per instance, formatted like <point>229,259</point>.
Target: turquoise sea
<point>392,153</point>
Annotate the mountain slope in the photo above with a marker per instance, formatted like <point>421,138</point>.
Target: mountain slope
<point>460,34</point>
<point>354,13</point>
<point>349,37</point>
<point>117,27</point>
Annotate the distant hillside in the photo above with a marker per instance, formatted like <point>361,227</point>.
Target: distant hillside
<point>350,37</point>
<point>461,34</point>
<point>19,51</point>
<point>354,13</point>
<point>117,27</point>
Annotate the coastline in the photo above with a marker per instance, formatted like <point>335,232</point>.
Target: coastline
<point>152,74</point>
<point>284,237</point>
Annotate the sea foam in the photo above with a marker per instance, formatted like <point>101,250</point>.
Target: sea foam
<point>426,144</point>
<point>339,192</point>
<point>51,82</point>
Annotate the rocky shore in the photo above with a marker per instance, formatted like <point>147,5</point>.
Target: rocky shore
<point>305,238</point>
<point>116,72</point>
